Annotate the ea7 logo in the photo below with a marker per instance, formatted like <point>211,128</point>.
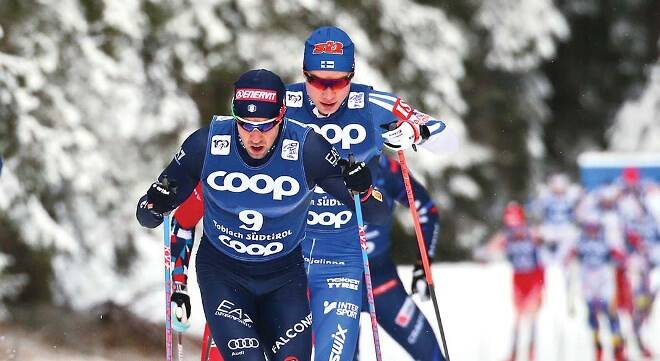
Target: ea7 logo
<point>329,47</point>
<point>281,186</point>
<point>180,154</point>
<point>347,136</point>
<point>226,309</point>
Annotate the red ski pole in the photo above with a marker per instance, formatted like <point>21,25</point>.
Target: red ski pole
<point>421,245</point>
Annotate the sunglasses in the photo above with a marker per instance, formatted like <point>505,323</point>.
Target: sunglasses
<point>250,126</point>
<point>323,84</point>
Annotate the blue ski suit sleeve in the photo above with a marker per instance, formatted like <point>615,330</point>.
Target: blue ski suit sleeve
<point>184,170</point>
<point>327,174</point>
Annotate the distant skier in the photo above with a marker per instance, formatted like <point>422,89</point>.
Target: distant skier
<point>522,245</point>
<point>597,259</point>
<point>555,207</point>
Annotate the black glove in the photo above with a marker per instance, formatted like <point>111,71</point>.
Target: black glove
<point>419,284</point>
<point>357,175</point>
<point>161,197</point>
<point>180,308</point>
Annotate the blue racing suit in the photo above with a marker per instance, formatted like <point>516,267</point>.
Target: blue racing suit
<point>249,264</point>
<point>331,248</point>
<point>396,312</point>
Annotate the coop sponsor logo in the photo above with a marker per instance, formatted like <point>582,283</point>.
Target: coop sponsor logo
<point>253,249</point>
<point>235,182</point>
<point>328,218</point>
<point>346,136</point>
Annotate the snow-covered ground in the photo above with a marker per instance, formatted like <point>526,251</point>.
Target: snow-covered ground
<point>477,315</point>
<point>475,307</point>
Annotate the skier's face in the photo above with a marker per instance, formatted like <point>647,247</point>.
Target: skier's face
<point>256,142</point>
<point>327,89</point>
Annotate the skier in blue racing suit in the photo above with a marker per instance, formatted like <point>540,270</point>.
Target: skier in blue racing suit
<point>258,170</point>
<point>397,313</point>
<point>358,120</point>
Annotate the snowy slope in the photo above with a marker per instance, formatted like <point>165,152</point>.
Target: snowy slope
<point>476,311</point>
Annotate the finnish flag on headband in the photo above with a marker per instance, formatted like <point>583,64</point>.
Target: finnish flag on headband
<point>327,64</point>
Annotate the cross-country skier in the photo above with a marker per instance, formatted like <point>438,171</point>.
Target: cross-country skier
<point>596,257</point>
<point>522,246</point>
<point>360,120</point>
<point>258,170</point>
<point>554,207</point>
<point>397,313</point>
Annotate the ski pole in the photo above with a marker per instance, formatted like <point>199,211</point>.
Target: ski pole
<point>168,286</point>
<point>421,245</point>
<point>367,274</point>
<point>179,346</point>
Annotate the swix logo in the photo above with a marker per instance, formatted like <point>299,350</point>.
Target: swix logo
<point>329,47</point>
<point>329,218</point>
<point>226,309</point>
<point>168,259</point>
<point>281,186</point>
<point>338,340</point>
<point>254,249</point>
<point>347,136</point>
<point>363,238</point>
<point>402,110</point>
<point>262,95</point>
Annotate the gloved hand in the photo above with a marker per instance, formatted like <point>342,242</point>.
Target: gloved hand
<point>357,175</point>
<point>404,134</point>
<point>180,307</point>
<point>161,197</point>
<point>419,285</point>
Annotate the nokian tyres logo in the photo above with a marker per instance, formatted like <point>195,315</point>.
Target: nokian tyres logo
<point>235,182</point>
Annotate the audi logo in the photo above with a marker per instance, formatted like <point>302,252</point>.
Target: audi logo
<point>239,343</point>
